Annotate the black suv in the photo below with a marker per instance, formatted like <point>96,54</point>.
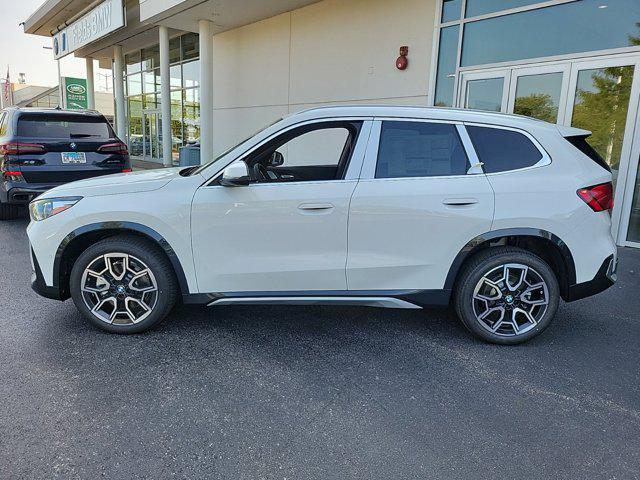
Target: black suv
<point>43,148</point>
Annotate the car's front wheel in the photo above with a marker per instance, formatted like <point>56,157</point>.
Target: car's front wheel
<point>507,295</point>
<point>123,285</point>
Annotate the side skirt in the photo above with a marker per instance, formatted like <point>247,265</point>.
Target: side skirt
<point>407,299</point>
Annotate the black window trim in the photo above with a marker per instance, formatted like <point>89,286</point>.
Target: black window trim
<point>543,162</point>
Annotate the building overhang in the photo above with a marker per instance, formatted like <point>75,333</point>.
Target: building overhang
<point>144,16</point>
<point>224,14</point>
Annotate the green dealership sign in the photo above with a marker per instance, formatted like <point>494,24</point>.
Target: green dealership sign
<point>75,93</point>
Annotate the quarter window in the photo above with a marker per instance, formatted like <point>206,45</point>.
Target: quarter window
<point>502,150</point>
<point>420,149</point>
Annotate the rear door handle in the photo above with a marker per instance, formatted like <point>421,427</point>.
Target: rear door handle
<point>459,202</point>
<point>315,206</point>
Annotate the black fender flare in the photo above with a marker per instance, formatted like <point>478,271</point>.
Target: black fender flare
<point>121,227</point>
<point>468,249</point>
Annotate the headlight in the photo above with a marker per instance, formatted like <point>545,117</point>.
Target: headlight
<point>48,207</point>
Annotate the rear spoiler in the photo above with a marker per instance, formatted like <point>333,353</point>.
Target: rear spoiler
<point>573,132</point>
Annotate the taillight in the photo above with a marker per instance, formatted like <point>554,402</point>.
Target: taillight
<point>17,148</point>
<point>598,197</point>
<point>126,170</point>
<point>12,176</point>
<point>118,148</point>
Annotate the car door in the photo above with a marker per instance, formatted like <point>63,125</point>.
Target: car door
<point>287,233</point>
<point>418,203</point>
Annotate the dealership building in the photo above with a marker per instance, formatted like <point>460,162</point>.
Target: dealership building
<point>214,71</point>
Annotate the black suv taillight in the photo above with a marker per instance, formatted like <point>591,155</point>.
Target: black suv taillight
<point>598,197</point>
<point>117,148</point>
<point>18,148</point>
<point>12,176</point>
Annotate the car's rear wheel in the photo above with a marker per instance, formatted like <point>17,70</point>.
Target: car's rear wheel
<point>123,285</point>
<point>9,212</point>
<point>507,295</point>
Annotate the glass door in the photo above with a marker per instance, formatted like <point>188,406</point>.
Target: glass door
<point>487,90</point>
<point>152,141</point>
<point>603,98</point>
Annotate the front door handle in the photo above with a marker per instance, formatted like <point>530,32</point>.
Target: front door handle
<point>315,206</point>
<point>459,202</point>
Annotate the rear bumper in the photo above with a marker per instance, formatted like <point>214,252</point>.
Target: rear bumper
<point>22,193</point>
<point>606,277</point>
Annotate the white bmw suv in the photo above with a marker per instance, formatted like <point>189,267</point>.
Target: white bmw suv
<point>499,216</point>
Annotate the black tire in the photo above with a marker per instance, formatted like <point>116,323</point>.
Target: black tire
<point>487,264</point>
<point>9,212</point>
<point>139,250</point>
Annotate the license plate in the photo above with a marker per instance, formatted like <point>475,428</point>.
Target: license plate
<point>74,157</point>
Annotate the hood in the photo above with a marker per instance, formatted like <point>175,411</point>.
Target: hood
<point>134,182</point>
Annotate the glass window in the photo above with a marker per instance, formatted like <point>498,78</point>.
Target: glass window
<point>485,94</point>
<point>502,150</point>
<point>63,126</point>
<point>132,62</point>
<point>151,81</point>
<point>135,126</point>
<point>482,7</point>
<point>151,101</point>
<point>420,149</point>
<point>190,46</point>
<point>151,57</point>
<point>175,73</point>
<point>191,114</point>
<point>176,119</point>
<point>134,84</point>
<point>174,50</point>
<point>538,96</point>
<point>556,30</point>
<point>316,152</point>
<point>451,10</point>
<point>322,147</point>
<point>447,58</point>
<point>191,74</point>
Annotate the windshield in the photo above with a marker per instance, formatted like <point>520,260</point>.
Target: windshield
<point>223,154</point>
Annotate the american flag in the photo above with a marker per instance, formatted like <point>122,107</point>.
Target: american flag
<point>7,88</point>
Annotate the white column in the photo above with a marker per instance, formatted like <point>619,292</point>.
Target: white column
<point>206,90</point>
<point>165,97</point>
<point>118,92</point>
<point>91,90</point>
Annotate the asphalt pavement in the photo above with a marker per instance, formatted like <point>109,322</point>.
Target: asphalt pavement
<point>315,392</point>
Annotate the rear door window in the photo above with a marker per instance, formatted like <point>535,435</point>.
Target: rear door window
<point>502,150</point>
<point>420,149</point>
<point>64,126</point>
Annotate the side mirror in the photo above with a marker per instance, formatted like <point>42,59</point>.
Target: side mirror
<point>276,159</point>
<point>235,175</point>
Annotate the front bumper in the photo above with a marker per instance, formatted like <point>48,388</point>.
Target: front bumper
<point>39,285</point>
<point>607,275</point>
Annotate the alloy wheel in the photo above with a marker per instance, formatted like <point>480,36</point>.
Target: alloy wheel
<point>510,299</point>
<point>119,289</point>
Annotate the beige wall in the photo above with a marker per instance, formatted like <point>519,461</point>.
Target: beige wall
<point>335,51</point>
